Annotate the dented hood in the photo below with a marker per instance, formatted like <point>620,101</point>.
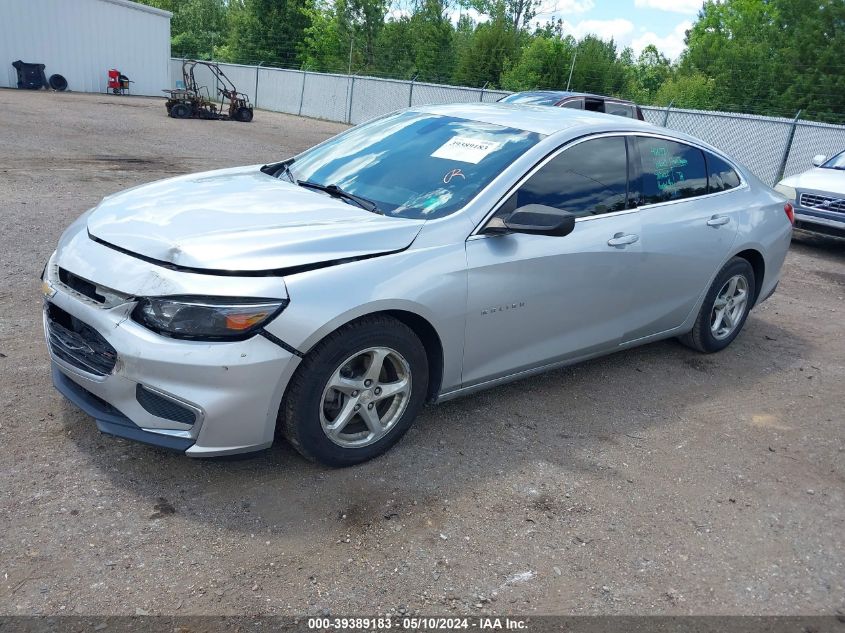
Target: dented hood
<point>242,220</point>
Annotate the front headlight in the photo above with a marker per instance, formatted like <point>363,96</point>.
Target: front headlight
<point>206,318</point>
<point>787,191</point>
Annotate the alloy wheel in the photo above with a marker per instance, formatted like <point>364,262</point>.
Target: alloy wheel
<point>729,307</point>
<point>365,397</point>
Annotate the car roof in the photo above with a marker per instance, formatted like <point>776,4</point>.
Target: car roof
<point>563,94</point>
<point>537,118</point>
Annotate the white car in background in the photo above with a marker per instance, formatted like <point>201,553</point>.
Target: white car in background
<point>818,196</point>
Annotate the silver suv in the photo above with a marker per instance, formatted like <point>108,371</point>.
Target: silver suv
<point>818,196</point>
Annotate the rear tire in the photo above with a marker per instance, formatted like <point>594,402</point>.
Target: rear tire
<point>336,426</point>
<point>180,111</point>
<point>725,308</point>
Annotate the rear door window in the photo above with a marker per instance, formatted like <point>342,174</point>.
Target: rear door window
<point>590,178</point>
<point>720,175</point>
<point>670,170</point>
<point>575,104</point>
<point>619,109</point>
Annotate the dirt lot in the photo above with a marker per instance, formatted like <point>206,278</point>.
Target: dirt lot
<point>654,481</point>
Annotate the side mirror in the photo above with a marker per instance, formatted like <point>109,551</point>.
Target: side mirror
<point>538,219</point>
<point>818,159</point>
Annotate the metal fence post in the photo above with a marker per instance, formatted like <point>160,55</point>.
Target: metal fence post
<point>257,68</point>
<point>787,149</point>
<point>483,88</point>
<point>302,92</point>
<point>351,97</point>
<point>411,91</point>
<point>666,116</point>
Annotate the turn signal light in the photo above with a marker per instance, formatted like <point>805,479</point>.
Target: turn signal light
<point>790,212</point>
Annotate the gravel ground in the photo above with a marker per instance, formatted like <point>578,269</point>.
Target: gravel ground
<point>655,481</point>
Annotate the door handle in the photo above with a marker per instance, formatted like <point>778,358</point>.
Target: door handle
<point>718,220</point>
<point>623,239</point>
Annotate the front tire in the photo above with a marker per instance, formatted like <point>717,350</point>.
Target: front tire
<point>356,393</point>
<point>725,308</point>
<point>243,114</point>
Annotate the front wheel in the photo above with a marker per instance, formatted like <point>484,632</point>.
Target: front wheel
<point>356,393</point>
<point>725,308</point>
<point>243,114</point>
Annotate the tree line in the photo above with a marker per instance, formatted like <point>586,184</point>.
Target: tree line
<point>769,57</point>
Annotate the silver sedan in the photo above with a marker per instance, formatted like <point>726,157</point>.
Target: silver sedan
<point>421,256</point>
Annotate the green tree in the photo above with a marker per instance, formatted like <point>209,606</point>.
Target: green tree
<point>492,47</point>
<point>325,44</point>
<point>197,28</point>
<point>268,31</point>
<point>516,13</point>
<point>814,55</point>
<point>597,68</point>
<point>544,64</point>
<point>432,36</point>
<point>396,49</point>
<point>693,91</point>
<point>732,42</point>
<point>652,71</point>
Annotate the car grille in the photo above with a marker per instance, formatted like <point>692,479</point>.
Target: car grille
<point>822,203</point>
<point>77,343</point>
<point>80,285</point>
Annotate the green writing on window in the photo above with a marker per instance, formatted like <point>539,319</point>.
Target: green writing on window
<point>668,169</point>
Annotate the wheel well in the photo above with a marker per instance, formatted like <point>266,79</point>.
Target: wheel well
<point>431,342</point>
<point>758,264</point>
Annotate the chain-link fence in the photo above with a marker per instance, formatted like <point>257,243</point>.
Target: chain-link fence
<point>770,147</point>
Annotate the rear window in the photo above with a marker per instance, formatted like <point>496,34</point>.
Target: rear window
<point>619,109</point>
<point>670,170</point>
<point>721,176</point>
<point>531,99</point>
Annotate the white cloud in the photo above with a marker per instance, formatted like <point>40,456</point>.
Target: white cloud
<point>475,16</point>
<point>564,7</point>
<point>690,7</point>
<point>619,29</point>
<point>671,45</point>
<point>547,9</point>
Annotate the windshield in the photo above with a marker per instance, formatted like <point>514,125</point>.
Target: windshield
<point>837,162</point>
<point>531,99</point>
<point>413,164</point>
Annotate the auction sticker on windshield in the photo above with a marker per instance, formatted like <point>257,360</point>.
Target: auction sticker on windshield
<point>466,149</point>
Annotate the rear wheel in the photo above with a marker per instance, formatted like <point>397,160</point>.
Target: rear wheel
<point>725,308</point>
<point>180,111</point>
<point>356,393</point>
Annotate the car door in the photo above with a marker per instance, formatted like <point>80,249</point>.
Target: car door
<point>536,299</point>
<point>687,231</point>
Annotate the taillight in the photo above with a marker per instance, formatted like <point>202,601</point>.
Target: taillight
<point>790,212</point>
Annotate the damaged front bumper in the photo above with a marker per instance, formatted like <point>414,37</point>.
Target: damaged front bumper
<point>201,398</point>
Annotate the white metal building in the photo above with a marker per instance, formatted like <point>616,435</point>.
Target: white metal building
<point>82,39</point>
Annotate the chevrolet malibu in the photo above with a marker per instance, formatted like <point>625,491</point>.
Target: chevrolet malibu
<point>421,256</point>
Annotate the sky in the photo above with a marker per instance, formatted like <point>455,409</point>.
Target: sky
<point>634,23</point>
